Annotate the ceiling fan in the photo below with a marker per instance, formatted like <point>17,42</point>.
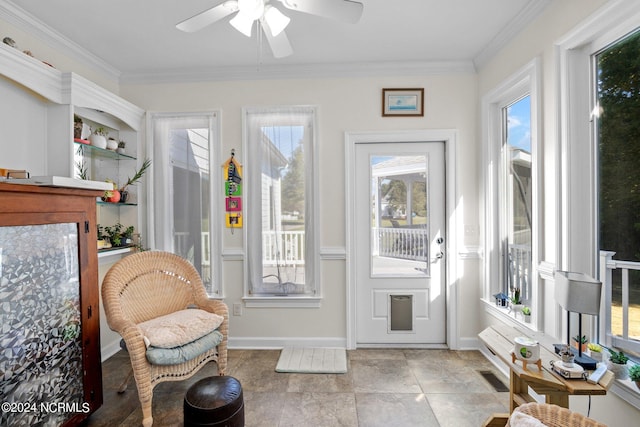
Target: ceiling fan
<point>270,18</point>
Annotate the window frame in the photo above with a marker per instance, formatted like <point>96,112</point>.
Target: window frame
<point>253,215</point>
<point>577,194</point>
<point>525,81</point>
<point>216,199</point>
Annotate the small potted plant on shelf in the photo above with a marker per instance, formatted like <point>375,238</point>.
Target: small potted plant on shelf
<point>618,364</point>
<point>135,178</point>
<point>634,374</point>
<point>77,128</point>
<point>516,302</point>
<point>112,144</point>
<point>103,238</point>
<point>595,351</point>
<point>121,146</point>
<point>119,235</point>
<point>526,312</point>
<point>580,342</point>
<point>98,137</point>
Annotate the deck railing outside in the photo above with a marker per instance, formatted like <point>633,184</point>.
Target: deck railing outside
<point>403,243</point>
<point>283,248</point>
<point>622,313</point>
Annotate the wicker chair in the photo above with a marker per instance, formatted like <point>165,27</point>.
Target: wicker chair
<point>146,285</point>
<point>556,416</point>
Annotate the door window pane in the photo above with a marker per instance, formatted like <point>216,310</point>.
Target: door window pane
<point>399,219</point>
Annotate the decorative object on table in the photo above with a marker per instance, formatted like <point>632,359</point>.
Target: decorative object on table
<point>502,299</point>
<point>579,293</point>
<point>112,144</point>
<point>526,312</point>
<point>634,374</point>
<point>618,364</point>
<point>527,350</point>
<point>98,137</point>
<point>595,351</point>
<point>121,146</point>
<point>580,341</point>
<point>137,176</point>
<point>403,102</point>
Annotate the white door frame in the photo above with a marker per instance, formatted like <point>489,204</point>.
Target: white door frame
<point>451,220</point>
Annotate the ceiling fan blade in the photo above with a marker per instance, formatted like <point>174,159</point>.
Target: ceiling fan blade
<point>341,10</point>
<point>208,17</point>
<point>280,46</point>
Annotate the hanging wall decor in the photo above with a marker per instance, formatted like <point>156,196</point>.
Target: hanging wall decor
<point>233,192</point>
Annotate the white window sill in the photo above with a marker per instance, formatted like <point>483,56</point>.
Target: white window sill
<point>510,318</point>
<point>282,302</point>
<point>627,391</point>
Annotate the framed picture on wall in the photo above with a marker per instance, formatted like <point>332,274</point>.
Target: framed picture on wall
<point>403,102</point>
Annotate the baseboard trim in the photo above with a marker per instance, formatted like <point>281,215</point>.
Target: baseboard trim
<point>259,343</point>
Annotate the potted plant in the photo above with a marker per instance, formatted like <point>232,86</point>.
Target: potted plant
<point>103,238</point>
<point>618,364</point>
<point>516,302</point>
<point>526,312</point>
<point>121,146</point>
<point>135,178</point>
<point>580,341</point>
<point>77,127</point>
<point>595,351</point>
<point>98,137</point>
<point>112,144</point>
<point>634,374</point>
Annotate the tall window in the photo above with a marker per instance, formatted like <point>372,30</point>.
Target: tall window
<point>515,209</point>
<point>183,203</point>
<point>280,169</point>
<point>509,186</point>
<point>618,140</point>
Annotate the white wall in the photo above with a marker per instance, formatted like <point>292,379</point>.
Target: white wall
<point>351,104</point>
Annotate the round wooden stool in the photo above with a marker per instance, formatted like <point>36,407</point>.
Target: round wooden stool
<point>214,401</point>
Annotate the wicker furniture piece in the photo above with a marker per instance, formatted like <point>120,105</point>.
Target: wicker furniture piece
<point>556,416</point>
<point>147,285</point>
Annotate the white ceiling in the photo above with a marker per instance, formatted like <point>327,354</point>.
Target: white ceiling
<point>136,40</point>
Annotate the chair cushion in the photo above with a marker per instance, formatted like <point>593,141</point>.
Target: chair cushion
<point>177,355</point>
<point>179,328</point>
<point>519,419</point>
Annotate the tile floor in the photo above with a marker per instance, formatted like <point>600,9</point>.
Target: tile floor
<point>398,387</point>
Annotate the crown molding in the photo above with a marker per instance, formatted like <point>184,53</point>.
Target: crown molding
<point>531,11</point>
<point>30,24</point>
<point>302,71</point>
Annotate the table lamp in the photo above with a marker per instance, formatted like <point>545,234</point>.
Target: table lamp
<point>578,293</point>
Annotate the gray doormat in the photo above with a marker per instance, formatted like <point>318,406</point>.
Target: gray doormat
<point>313,360</point>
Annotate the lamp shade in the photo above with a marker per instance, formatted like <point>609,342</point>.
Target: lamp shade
<point>577,292</point>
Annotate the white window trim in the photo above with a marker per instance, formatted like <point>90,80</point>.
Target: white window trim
<point>523,82</point>
<point>216,201</point>
<point>291,301</point>
<point>577,194</point>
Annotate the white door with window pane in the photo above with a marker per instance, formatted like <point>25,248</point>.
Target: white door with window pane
<point>400,235</point>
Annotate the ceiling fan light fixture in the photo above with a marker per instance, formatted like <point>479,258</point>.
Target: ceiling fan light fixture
<point>276,20</point>
<point>242,23</point>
